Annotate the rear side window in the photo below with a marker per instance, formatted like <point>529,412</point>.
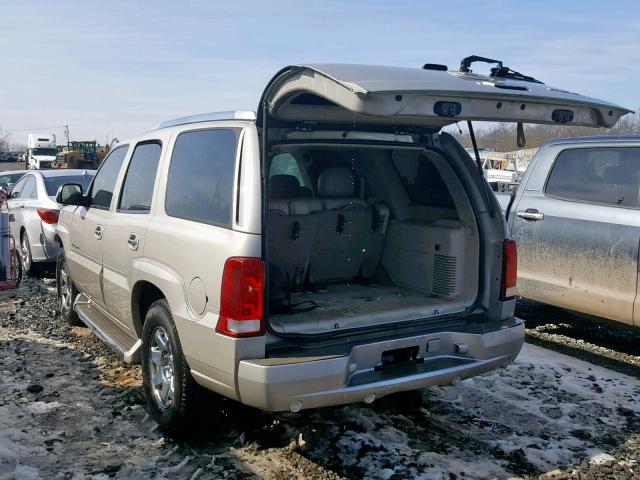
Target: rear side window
<point>286,164</point>
<point>200,181</point>
<point>137,190</point>
<point>105,180</point>
<point>608,176</point>
<point>421,179</point>
<point>29,190</point>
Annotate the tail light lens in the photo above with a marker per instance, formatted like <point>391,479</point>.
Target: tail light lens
<point>242,298</point>
<point>49,216</point>
<point>509,270</point>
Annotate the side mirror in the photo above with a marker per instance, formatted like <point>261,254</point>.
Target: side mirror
<point>71,194</point>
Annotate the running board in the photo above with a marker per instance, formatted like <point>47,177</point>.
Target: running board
<point>108,330</point>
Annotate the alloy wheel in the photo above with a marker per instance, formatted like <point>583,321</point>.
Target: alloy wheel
<point>65,289</point>
<point>26,254</point>
<point>161,368</point>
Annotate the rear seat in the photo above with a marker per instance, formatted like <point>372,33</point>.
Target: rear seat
<point>336,237</point>
<point>292,228</point>
<point>348,241</point>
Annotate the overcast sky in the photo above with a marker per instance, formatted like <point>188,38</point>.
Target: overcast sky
<point>120,67</point>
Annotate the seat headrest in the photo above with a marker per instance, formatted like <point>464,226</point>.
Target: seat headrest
<point>336,182</point>
<point>283,186</point>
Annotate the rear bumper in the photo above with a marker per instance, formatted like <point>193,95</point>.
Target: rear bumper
<point>44,248</point>
<point>277,384</point>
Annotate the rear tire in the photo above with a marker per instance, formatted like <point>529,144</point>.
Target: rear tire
<point>28,267</point>
<point>67,292</point>
<point>168,385</point>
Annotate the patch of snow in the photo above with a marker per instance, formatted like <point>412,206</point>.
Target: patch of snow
<point>600,458</point>
<point>42,407</point>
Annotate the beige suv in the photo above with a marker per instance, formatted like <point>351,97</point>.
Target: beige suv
<point>336,247</point>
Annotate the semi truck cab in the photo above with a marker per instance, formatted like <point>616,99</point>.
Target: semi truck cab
<point>41,151</point>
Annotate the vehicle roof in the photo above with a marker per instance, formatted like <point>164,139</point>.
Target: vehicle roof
<point>595,139</point>
<point>63,172</point>
<point>10,172</point>
<point>242,115</point>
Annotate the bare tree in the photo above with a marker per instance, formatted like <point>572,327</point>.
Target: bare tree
<point>502,137</point>
<point>4,141</point>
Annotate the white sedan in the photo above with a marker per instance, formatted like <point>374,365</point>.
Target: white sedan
<point>33,213</point>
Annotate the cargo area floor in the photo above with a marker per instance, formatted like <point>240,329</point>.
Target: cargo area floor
<point>354,305</point>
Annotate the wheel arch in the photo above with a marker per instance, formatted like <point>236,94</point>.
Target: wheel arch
<point>154,282</point>
<point>143,294</point>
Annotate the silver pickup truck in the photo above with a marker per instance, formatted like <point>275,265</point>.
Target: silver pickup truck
<point>576,222</point>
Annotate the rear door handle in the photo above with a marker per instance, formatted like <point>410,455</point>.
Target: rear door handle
<point>98,232</point>
<point>530,214</point>
<point>132,242</point>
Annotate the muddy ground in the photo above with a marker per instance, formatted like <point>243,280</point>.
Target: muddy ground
<point>567,408</point>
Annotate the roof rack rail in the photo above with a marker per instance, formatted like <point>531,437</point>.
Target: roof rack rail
<point>210,117</point>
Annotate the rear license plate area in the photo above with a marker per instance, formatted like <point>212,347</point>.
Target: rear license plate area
<point>399,357</point>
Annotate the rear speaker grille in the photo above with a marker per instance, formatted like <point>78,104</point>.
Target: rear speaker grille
<point>443,275</point>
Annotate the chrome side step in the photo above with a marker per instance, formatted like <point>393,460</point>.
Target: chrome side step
<point>90,314</point>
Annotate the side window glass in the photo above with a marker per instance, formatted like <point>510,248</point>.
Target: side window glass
<point>200,181</point>
<point>137,190</point>
<point>285,164</point>
<point>105,180</point>
<point>16,191</point>
<point>29,190</point>
<point>608,176</point>
<point>421,179</point>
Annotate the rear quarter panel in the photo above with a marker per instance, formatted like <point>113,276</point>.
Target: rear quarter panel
<point>185,260</point>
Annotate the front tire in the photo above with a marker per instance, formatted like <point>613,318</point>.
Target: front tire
<point>67,292</point>
<point>168,385</point>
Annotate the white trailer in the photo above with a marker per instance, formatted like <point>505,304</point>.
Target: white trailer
<point>41,151</point>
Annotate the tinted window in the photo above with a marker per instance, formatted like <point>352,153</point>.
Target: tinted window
<point>44,152</point>
<point>607,176</point>
<point>29,189</point>
<point>137,190</point>
<point>200,182</point>
<point>421,179</point>
<point>52,184</point>
<point>105,181</point>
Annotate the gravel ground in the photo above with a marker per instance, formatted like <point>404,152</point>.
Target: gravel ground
<point>70,409</point>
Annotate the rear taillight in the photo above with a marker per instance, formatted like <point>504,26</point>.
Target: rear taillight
<point>509,270</point>
<point>242,298</point>
<point>48,216</point>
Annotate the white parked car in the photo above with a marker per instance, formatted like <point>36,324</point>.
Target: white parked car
<point>33,213</point>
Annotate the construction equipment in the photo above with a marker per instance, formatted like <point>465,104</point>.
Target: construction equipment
<point>79,154</point>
